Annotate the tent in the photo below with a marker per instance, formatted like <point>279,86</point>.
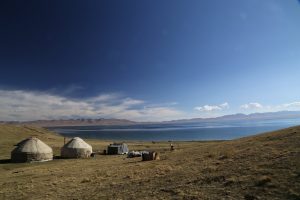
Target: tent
<point>117,148</point>
<point>30,150</point>
<point>76,148</point>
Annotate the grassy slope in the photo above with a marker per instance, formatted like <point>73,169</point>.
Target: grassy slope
<point>266,166</point>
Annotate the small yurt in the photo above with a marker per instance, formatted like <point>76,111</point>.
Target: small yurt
<point>30,150</point>
<point>76,148</point>
<point>117,148</point>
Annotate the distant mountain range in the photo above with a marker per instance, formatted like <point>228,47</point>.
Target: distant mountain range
<point>74,122</point>
<point>95,122</point>
<point>244,117</point>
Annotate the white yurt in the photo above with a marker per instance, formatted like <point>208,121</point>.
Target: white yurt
<point>30,150</point>
<point>76,148</point>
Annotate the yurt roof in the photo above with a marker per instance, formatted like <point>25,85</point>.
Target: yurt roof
<point>77,143</point>
<point>33,145</point>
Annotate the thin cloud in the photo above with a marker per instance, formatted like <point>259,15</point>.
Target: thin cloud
<point>292,104</point>
<point>19,105</point>
<point>254,105</point>
<point>224,105</point>
<point>167,104</point>
<point>210,108</point>
<point>103,97</point>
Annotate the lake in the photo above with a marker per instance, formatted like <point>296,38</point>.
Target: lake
<point>176,132</point>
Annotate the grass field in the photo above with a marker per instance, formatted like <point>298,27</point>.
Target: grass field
<point>265,166</point>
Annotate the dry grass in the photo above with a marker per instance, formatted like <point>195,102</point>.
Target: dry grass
<point>266,166</point>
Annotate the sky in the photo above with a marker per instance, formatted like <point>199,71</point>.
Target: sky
<point>148,60</point>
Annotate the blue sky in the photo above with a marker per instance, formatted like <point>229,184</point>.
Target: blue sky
<point>148,60</point>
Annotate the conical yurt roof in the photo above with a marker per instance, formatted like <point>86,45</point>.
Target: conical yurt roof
<point>32,145</point>
<point>77,143</point>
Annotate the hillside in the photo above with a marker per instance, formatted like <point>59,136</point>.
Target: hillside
<point>265,166</point>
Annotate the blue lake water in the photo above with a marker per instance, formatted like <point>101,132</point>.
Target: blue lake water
<point>182,132</point>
